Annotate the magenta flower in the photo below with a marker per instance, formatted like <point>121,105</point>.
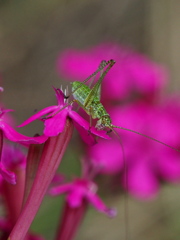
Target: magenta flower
<point>55,120</point>
<point>43,160</point>
<point>9,133</point>
<point>11,158</point>
<point>107,156</point>
<point>12,195</point>
<point>148,162</point>
<point>133,72</point>
<point>13,135</point>
<point>79,194</point>
<point>79,190</point>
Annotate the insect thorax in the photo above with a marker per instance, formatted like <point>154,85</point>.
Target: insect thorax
<point>81,91</point>
<point>96,110</point>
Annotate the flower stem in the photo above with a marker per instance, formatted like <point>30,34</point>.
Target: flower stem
<point>52,154</point>
<point>71,220</point>
<point>33,159</point>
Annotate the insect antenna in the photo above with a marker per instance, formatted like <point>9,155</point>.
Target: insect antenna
<point>146,136</point>
<point>126,205</point>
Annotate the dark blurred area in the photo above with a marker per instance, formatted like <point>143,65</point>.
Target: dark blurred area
<point>33,33</point>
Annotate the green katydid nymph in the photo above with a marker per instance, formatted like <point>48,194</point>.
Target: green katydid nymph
<point>89,99</point>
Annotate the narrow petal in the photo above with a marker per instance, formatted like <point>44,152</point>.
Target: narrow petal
<point>59,96</point>
<point>100,206</point>
<point>83,127</point>
<point>60,189</point>
<point>39,114</point>
<point>14,136</point>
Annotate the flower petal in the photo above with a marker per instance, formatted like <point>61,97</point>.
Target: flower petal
<point>39,114</point>
<point>60,189</point>
<point>88,134</point>
<point>100,206</point>
<point>142,182</point>
<point>75,198</point>
<point>7,175</point>
<point>56,124</point>
<point>14,136</point>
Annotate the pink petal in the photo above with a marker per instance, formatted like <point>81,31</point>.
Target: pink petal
<point>169,166</point>
<point>7,175</point>
<point>83,128</point>
<point>60,189</point>
<point>14,136</point>
<point>100,206</point>
<point>59,96</point>
<point>56,124</point>
<point>39,114</point>
<point>108,156</point>
<point>76,197</point>
<point>142,182</point>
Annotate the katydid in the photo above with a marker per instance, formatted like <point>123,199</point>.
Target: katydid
<point>89,99</point>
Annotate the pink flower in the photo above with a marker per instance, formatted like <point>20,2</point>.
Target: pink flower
<point>79,190</point>
<point>147,161</point>
<point>9,133</point>
<point>133,72</point>
<point>13,135</point>
<point>12,195</point>
<point>12,158</point>
<point>42,164</point>
<point>55,120</point>
<point>107,156</point>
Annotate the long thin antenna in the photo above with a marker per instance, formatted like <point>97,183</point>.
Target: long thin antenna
<point>146,136</point>
<point>126,205</point>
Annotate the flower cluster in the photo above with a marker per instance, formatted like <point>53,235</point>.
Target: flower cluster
<point>132,93</point>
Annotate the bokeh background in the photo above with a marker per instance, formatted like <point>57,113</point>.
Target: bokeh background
<point>33,33</point>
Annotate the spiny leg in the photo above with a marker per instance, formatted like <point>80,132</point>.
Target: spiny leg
<point>95,89</point>
<point>71,102</point>
<point>102,65</point>
<point>90,119</point>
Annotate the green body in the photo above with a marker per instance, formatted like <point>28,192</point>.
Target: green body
<point>92,105</point>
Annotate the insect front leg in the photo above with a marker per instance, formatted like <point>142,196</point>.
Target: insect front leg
<point>71,102</point>
<point>90,119</point>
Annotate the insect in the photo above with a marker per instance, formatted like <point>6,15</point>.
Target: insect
<point>89,99</point>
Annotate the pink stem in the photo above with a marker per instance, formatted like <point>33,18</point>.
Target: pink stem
<point>33,159</point>
<point>70,221</point>
<point>51,157</point>
<point>13,195</point>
